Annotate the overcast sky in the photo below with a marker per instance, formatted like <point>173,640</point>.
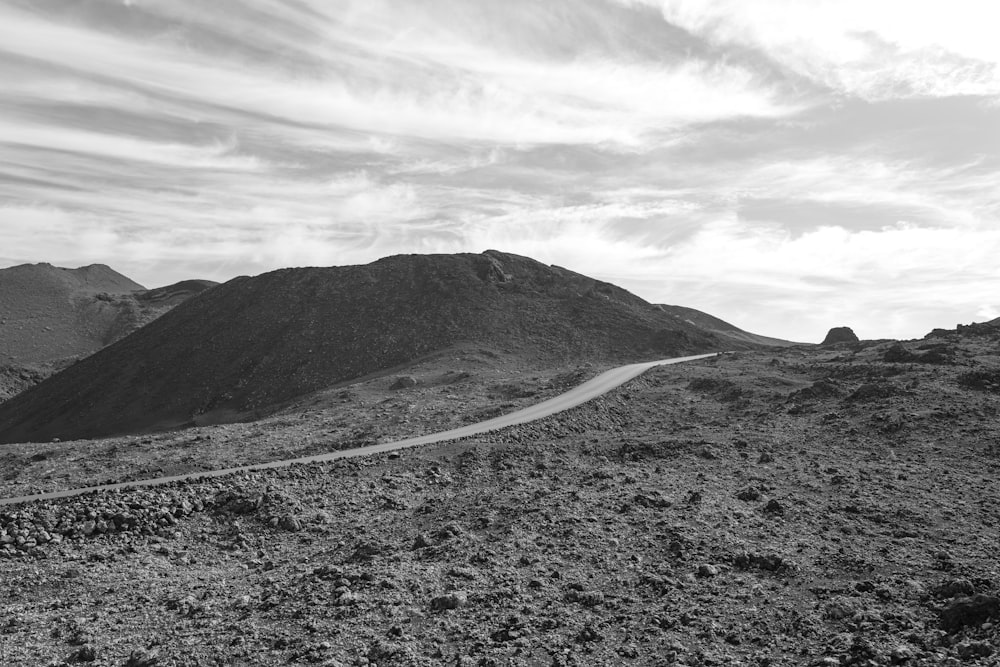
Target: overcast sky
<point>786,165</point>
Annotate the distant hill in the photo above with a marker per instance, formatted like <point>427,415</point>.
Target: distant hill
<point>242,348</point>
<point>49,313</point>
<point>713,324</point>
<point>50,316</point>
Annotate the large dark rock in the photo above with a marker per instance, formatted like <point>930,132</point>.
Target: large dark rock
<point>967,611</point>
<point>840,335</point>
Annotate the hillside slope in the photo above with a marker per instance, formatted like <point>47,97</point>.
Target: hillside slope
<point>50,316</point>
<point>241,349</point>
<point>49,313</point>
<point>723,328</point>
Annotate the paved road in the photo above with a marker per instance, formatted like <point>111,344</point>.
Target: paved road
<point>593,388</point>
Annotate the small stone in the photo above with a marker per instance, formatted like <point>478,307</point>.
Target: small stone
<point>149,658</point>
<point>85,653</point>
<point>748,494</point>
<point>367,551</point>
<point>765,457</point>
<point>953,588</point>
<point>290,523</point>
<point>774,507</point>
<point>838,609</point>
<point>706,570</point>
<point>968,650</point>
<point>421,541</point>
<point>901,654</point>
<point>589,634</point>
<point>454,600</point>
<point>449,531</point>
<point>586,598</point>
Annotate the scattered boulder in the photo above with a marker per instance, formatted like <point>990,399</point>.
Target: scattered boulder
<point>968,611</point>
<point>840,335</point>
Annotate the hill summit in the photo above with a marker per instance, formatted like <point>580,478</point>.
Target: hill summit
<point>243,348</point>
<point>49,313</point>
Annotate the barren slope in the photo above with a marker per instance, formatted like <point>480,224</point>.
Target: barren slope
<point>723,328</point>
<point>49,313</point>
<point>51,316</point>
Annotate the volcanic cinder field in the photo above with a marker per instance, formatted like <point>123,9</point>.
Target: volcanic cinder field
<point>779,504</point>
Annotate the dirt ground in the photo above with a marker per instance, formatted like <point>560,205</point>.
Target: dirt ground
<point>445,392</point>
<point>805,506</point>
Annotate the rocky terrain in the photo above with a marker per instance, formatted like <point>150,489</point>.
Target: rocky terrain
<point>51,316</point>
<point>245,348</point>
<point>805,506</point>
<point>464,386</point>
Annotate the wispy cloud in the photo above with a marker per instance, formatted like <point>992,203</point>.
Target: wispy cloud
<point>877,50</point>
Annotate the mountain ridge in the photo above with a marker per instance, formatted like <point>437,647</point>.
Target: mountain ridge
<point>240,349</point>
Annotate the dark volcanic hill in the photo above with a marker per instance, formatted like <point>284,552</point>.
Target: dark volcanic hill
<point>242,348</point>
<point>50,316</point>
<point>49,313</point>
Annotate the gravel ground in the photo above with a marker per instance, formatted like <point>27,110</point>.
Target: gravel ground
<point>798,507</point>
<point>445,392</point>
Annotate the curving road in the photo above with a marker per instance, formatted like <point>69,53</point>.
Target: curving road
<point>593,388</point>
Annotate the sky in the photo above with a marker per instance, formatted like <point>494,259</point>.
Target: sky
<point>786,165</point>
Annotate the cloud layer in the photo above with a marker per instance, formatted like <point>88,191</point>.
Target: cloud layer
<point>784,167</point>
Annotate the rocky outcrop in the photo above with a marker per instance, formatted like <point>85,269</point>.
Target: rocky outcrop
<point>840,335</point>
